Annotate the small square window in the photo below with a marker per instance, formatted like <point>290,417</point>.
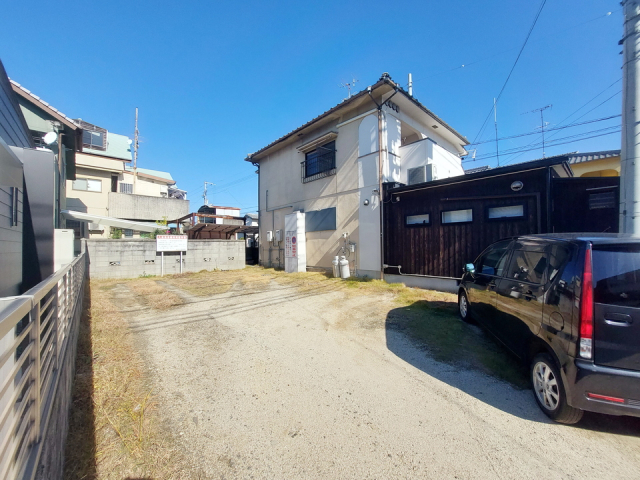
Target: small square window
<point>423,219</point>
<point>512,211</point>
<point>457,216</point>
<point>128,233</point>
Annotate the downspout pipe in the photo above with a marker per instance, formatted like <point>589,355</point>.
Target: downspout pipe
<point>380,194</point>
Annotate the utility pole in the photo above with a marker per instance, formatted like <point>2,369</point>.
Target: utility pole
<point>135,154</point>
<point>542,124</point>
<point>495,122</point>
<point>204,194</point>
<point>630,151</point>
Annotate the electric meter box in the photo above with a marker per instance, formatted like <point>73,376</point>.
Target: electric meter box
<point>269,236</point>
<point>278,235</point>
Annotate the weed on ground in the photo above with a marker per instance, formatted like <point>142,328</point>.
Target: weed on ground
<point>114,430</point>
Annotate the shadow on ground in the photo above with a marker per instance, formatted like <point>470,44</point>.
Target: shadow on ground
<point>431,337</point>
<point>80,451</point>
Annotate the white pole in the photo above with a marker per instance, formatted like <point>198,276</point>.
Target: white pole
<point>162,264</point>
<point>411,85</point>
<point>180,261</point>
<point>630,151</point>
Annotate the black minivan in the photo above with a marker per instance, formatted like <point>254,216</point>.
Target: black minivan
<point>569,306</point>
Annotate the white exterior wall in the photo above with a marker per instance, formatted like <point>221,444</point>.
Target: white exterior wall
<point>356,181</point>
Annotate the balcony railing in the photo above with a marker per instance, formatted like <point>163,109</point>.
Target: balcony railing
<point>38,334</point>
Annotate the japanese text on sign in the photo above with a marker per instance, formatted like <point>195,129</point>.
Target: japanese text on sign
<point>171,243</point>
<point>290,246</point>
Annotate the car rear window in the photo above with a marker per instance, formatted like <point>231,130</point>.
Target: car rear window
<point>616,274</point>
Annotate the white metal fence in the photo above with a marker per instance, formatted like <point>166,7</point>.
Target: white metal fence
<point>36,331</point>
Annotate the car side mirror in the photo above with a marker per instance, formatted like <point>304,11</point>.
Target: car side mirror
<point>470,268</point>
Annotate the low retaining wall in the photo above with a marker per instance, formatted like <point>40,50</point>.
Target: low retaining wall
<point>429,283</point>
<point>133,258</point>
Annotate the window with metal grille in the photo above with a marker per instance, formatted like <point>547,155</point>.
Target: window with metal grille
<point>128,233</point>
<point>602,200</point>
<point>126,187</point>
<point>320,162</point>
<point>93,137</point>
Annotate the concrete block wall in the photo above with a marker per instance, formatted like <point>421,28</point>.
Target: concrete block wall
<point>110,258</point>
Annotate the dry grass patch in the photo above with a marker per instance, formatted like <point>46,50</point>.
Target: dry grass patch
<point>154,295</point>
<point>206,283</point>
<point>114,428</point>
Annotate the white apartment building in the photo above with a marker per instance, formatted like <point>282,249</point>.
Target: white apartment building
<point>333,168</point>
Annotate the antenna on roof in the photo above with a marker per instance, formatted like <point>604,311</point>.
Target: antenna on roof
<point>349,85</point>
<point>204,194</point>
<point>542,124</point>
<point>410,85</point>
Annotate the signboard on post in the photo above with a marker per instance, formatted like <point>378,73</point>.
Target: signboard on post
<point>171,243</point>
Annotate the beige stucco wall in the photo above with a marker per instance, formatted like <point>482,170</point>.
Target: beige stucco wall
<point>282,192</point>
<point>280,175</point>
<point>145,186</point>
<point>606,167</point>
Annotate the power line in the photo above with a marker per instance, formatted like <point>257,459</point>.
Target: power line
<point>552,144</point>
<point>480,60</point>
<point>577,110</point>
<point>549,129</point>
<point>535,20</point>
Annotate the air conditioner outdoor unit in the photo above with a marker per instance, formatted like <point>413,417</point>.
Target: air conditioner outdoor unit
<point>94,227</point>
<point>421,174</point>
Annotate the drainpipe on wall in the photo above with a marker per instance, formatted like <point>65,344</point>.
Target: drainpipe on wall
<point>380,151</point>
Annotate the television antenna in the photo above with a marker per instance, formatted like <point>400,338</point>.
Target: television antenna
<point>542,124</point>
<point>349,85</point>
<point>204,194</point>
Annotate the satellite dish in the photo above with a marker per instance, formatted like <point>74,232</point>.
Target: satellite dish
<point>129,141</point>
<point>50,138</point>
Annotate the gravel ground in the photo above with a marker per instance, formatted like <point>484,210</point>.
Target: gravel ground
<point>283,384</point>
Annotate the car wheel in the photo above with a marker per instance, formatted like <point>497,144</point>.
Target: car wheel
<point>463,307</point>
<point>549,391</point>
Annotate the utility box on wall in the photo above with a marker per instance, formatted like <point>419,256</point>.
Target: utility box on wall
<point>295,247</point>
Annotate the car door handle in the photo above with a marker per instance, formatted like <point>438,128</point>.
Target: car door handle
<point>492,286</point>
<point>529,295</point>
<point>618,319</point>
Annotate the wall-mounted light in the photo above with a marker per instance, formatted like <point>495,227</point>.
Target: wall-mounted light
<point>366,202</point>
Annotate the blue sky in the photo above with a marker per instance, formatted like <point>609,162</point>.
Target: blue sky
<point>217,80</point>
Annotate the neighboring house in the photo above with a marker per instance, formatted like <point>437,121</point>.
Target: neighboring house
<point>31,186</point>
<point>251,219</point>
<point>107,190</point>
<point>596,164</point>
<point>329,169</point>
<point>42,119</point>
<point>590,164</point>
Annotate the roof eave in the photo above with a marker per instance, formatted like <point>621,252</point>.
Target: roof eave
<point>256,156</point>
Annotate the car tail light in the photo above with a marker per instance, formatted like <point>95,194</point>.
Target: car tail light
<point>607,398</point>
<point>586,308</point>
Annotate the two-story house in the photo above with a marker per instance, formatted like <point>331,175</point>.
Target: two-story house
<point>334,168</point>
<point>108,194</point>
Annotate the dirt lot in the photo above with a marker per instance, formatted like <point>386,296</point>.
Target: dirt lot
<point>256,374</point>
